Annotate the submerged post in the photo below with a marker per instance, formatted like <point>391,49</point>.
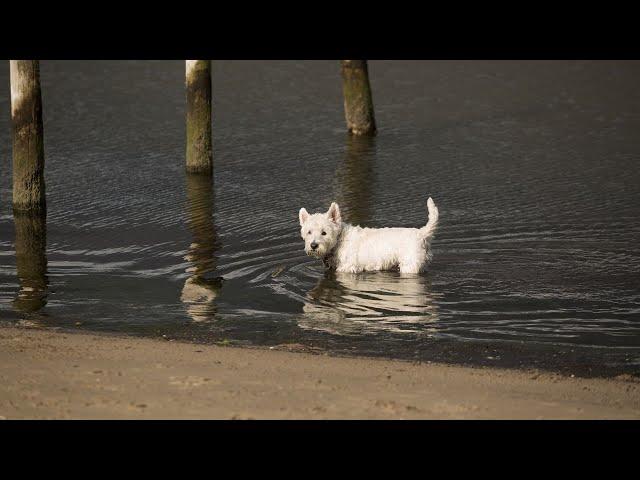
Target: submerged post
<point>199,149</point>
<point>28,141</point>
<point>358,102</point>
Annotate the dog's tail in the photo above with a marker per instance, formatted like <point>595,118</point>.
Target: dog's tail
<point>427,232</point>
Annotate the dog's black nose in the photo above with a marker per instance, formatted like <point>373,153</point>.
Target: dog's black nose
<point>314,245</point>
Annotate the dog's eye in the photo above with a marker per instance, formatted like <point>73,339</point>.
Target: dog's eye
<point>324,233</point>
<point>309,232</point>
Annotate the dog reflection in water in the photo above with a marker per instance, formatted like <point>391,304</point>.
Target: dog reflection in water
<point>350,304</point>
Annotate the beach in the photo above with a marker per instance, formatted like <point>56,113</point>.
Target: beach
<point>47,374</point>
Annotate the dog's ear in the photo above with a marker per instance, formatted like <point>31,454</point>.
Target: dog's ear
<point>334,213</point>
<point>303,215</point>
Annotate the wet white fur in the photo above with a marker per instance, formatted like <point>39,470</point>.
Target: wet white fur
<point>354,249</point>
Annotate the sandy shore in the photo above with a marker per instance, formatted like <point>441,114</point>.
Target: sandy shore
<point>45,374</point>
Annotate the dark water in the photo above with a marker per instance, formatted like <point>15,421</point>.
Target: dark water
<point>534,166</point>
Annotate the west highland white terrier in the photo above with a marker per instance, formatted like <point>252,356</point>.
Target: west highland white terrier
<point>353,249</point>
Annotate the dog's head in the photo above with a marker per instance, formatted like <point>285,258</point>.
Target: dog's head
<point>320,231</point>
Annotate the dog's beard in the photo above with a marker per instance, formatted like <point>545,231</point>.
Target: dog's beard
<point>320,252</point>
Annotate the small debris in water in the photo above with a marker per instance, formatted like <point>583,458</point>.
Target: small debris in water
<point>278,271</point>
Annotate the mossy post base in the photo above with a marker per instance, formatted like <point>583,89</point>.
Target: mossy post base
<point>358,102</point>
<point>199,149</point>
<point>28,140</point>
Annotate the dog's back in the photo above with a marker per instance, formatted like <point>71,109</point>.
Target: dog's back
<point>374,249</point>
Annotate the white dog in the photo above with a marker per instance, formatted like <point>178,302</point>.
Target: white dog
<point>354,249</point>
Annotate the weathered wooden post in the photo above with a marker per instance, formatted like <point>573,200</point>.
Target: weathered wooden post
<point>28,141</point>
<point>199,149</point>
<point>31,260</point>
<point>358,102</point>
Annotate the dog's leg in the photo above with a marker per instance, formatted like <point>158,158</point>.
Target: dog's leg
<point>412,259</point>
<point>409,267</point>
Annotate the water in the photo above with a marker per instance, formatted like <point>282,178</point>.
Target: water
<point>534,166</point>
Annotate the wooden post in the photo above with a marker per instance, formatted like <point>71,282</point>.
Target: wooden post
<point>358,102</point>
<point>199,149</point>
<point>28,141</point>
<point>31,260</point>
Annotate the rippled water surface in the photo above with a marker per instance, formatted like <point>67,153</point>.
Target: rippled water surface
<point>534,166</point>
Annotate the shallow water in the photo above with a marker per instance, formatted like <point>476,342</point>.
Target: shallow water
<point>533,166</point>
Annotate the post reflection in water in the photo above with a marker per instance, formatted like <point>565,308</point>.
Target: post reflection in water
<point>201,288</point>
<point>31,261</point>
<point>355,180</point>
<point>366,303</point>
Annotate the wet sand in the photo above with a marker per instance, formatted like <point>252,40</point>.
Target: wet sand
<point>45,374</point>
